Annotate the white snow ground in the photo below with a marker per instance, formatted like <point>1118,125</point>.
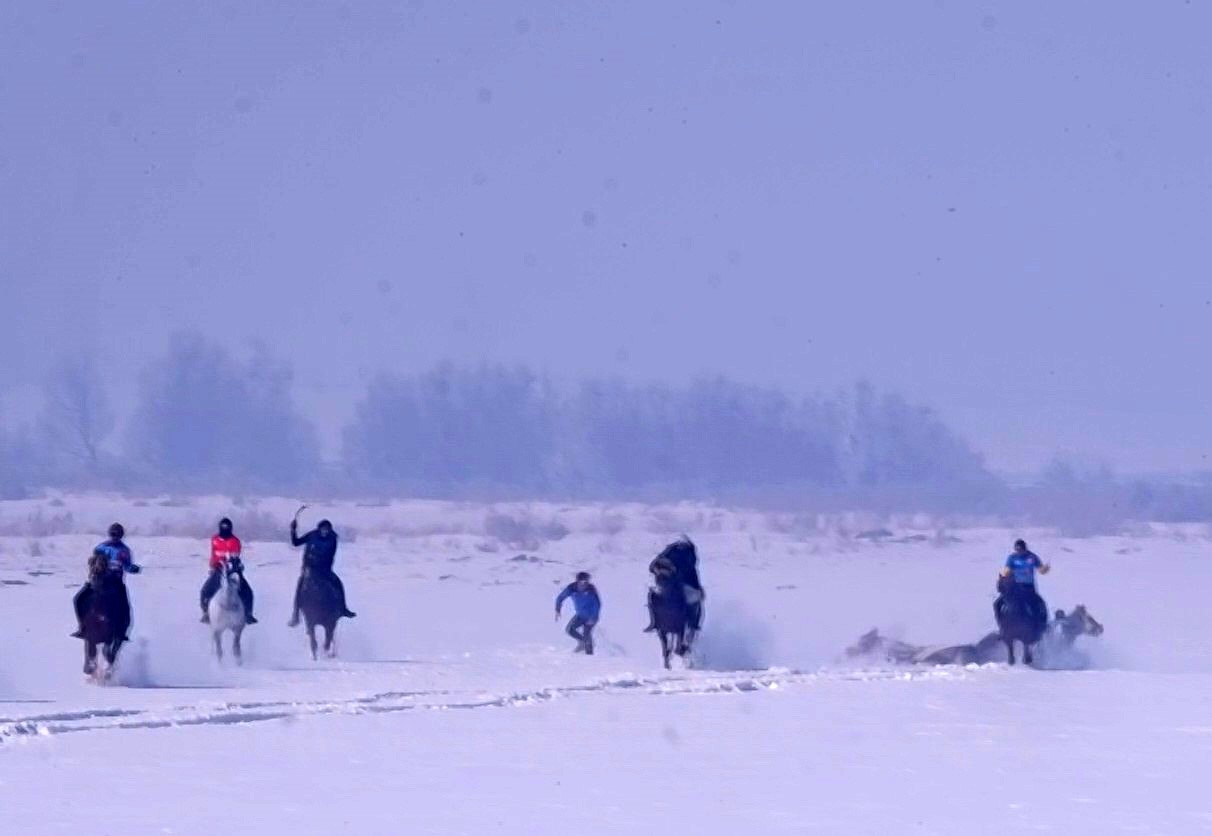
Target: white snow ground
<point>457,707</point>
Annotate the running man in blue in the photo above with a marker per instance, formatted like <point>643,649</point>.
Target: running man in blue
<point>587,606</point>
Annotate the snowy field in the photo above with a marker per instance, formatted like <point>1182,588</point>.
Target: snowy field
<point>456,705</point>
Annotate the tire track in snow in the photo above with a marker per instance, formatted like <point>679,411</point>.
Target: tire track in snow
<point>389,702</point>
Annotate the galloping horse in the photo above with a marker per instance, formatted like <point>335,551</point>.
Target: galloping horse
<point>106,620</point>
<point>320,604</point>
<point>226,610</point>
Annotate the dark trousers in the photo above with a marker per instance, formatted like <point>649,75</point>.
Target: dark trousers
<point>212,584</point>
<point>582,631</point>
<point>337,585</point>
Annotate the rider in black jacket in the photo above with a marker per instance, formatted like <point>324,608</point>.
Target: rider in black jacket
<point>319,552</point>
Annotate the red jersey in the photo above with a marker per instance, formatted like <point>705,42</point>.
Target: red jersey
<point>221,548</point>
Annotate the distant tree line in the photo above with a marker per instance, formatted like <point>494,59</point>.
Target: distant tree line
<point>207,420</point>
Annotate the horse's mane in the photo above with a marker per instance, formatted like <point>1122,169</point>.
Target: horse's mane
<point>98,567</point>
<point>682,545</point>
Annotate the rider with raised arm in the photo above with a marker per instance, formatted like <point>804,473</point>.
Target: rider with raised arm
<point>225,550</point>
<point>319,552</point>
<point>118,559</point>
<point>1018,578</point>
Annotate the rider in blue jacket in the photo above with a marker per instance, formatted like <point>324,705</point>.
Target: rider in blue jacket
<point>1018,578</point>
<point>119,559</point>
<point>587,607</point>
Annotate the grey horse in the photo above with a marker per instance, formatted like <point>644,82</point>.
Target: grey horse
<point>1060,635</point>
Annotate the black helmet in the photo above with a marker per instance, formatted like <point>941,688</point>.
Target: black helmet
<point>225,527</point>
<point>1020,544</point>
<point>116,531</point>
<point>582,576</point>
<point>324,524</point>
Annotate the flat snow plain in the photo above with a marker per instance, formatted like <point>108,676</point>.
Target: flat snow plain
<point>456,705</point>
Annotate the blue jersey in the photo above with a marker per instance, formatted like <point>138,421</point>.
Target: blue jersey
<point>117,555</point>
<point>1022,566</point>
<point>587,604</point>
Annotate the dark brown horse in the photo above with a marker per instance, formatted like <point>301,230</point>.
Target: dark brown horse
<point>1021,616</point>
<point>320,603</point>
<point>106,619</point>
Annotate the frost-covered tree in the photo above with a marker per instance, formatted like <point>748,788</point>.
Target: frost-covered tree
<point>710,437</point>
<point>449,428</point>
<point>888,442</point>
<point>76,417</point>
<point>204,418</point>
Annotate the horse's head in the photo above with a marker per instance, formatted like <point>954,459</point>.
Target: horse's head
<point>1079,622</point>
<point>98,567</point>
<point>233,568</point>
<point>867,643</point>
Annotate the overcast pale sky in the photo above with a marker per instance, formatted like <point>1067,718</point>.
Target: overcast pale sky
<point>1002,209</point>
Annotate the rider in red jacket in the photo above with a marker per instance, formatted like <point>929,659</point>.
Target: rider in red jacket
<point>222,548</point>
<point>225,552</point>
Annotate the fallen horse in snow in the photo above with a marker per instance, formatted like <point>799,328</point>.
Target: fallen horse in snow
<point>1059,637</point>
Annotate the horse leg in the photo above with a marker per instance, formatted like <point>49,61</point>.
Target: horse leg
<point>684,639</point>
<point>665,649</point>
<point>311,639</point>
<point>1010,650</point>
<point>90,658</point>
<point>235,645</point>
<point>1028,656</point>
<point>330,631</point>
<point>110,651</point>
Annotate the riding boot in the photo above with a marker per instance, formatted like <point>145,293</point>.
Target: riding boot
<point>246,598</point>
<point>126,612</point>
<point>80,602</point>
<point>294,619</point>
<point>209,588</point>
<point>345,611</point>
<point>694,616</point>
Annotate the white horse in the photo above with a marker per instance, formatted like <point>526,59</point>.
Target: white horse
<point>227,611</point>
